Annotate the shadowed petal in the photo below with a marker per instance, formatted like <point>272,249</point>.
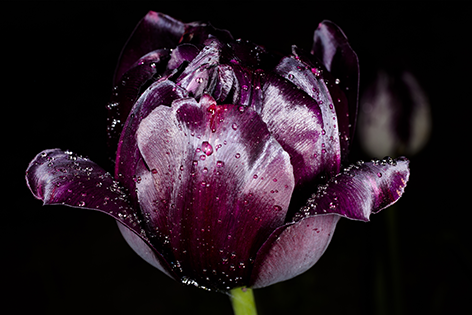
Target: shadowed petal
<point>214,181</point>
<point>360,190</point>
<point>292,249</point>
<point>154,31</point>
<point>144,250</point>
<point>331,46</point>
<point>132,84</point>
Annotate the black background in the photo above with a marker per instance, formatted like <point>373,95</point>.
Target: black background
<point>56,67</point>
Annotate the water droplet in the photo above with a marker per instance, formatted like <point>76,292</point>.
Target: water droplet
<point>220,163</point>
<point>323,132</point>
<point>152,65</point>
<point>154,171</point>
<point>207,148</point>
<point>379,174</point>
<point>234,126</point>
<point>237,155</point>
<point>277,208</point>
<point>337,81</point>
<point>199,80</point>
<point>241,109</point>
<point>245,87</point>
<point>81,203</point>
<point>255,176</point>
<point>203,157</point>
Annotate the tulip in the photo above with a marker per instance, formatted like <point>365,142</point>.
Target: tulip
<point>217,140</point>
<point>395,115</point>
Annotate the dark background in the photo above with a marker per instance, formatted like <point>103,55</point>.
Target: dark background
<point>57,65</point>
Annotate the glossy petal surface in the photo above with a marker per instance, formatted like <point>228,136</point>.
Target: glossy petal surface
<point>292,249</point>
<point>160,93</point>
<point>356,193</point>
<point>214,185</point>
<point>62,178</point>
<point>330,45</point>
<point>58,177</point>
<point>306,128</point>
<point>361,189</point>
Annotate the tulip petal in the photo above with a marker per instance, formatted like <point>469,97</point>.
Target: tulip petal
<point>306,128</point>
<point>133,83</point>
<point>292,249</point>
<point>306,72</point>
<point>213,181</point>
<point>154,31</point>
<point>160,93</point>
<point>330,45</point>
<point>144,250</point>
<point>61,177</point>
<point>360,190</point>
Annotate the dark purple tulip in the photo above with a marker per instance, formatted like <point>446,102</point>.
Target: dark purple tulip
<point>217,140</point>
<point>395,115</point>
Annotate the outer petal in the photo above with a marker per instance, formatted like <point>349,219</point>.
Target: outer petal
<point>292,249</point>
<point>154,31</point>
<point>360,190</point>
<point>213,187</point>
<point>356,193</point>
<point>331,46</point>
<point>59,177</point>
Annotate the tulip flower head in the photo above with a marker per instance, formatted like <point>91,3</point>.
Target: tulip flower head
<point>215,141</point>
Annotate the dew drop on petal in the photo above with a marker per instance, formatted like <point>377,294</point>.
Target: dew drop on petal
<point>237,155</point>
<point>207,148</point>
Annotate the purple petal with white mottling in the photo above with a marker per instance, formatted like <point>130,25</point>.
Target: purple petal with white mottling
<point>214,185</point>
<point>361,189</point>
<point>62,178</point>
<point>160,93</point>
<point>306,128</point>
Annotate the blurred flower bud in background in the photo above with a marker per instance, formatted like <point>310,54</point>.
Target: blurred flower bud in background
<point>395,116</point>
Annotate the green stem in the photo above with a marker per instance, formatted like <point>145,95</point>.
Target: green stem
<point>242,300</point>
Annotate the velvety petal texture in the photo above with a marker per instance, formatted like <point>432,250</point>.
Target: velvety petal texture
<point>229,160</point>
